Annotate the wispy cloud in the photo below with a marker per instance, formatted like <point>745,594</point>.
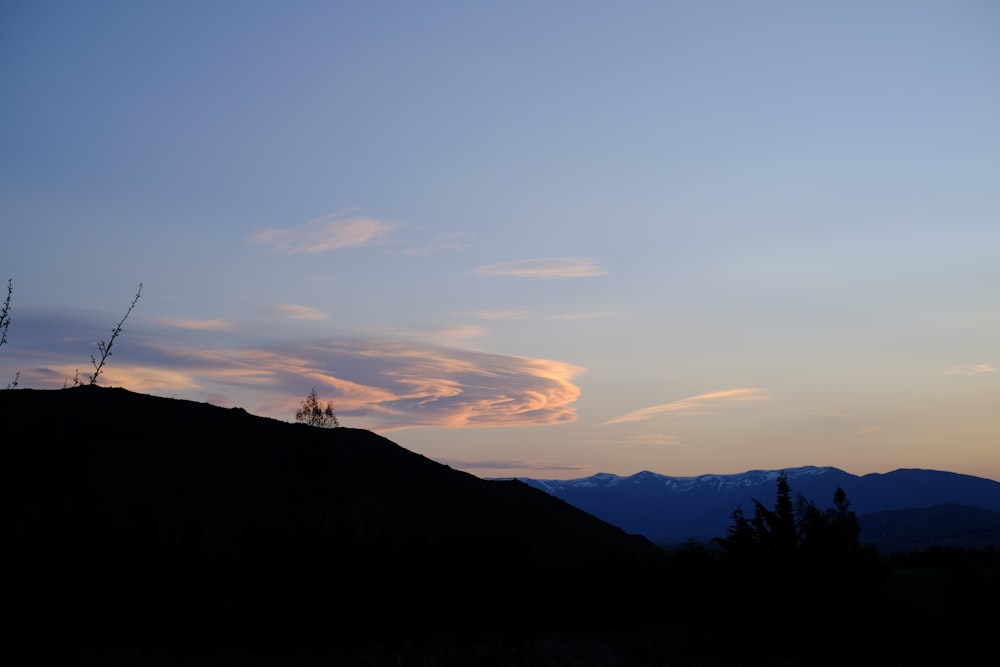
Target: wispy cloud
<point>652,439</point>
<point>974,369</point>
<point>690,403</point>
<point>499,314</point>
<point>518,468</point>
<point>447,242</point>
<point>592,315</point>
<point>601,439</point>
<point>458,333</point>
<point>295,312</point>
<point>548,267</point>
<point>142,379</point>
<point>196,325</point>
<point>324,234</point>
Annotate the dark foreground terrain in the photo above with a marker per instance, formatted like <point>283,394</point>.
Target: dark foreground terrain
<point>144,530</point>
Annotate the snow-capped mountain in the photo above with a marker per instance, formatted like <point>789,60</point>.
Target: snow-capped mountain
<point>669,509</point>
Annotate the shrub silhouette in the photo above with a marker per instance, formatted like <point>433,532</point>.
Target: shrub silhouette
<point>313,414</point>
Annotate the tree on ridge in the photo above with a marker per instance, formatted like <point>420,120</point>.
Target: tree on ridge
<point>313,414</point>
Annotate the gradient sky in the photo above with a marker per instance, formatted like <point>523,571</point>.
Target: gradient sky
<point>544,238</point>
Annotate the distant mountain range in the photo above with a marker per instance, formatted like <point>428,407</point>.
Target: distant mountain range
<point>902,509</point>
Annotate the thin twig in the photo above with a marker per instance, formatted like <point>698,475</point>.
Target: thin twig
<point>5,312</point>
<point>105,348</point>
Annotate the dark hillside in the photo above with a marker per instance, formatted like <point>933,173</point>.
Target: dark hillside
<point>138,530</point>
<point>949,525</point>
<point>168,525</point>
<point>197,464</point>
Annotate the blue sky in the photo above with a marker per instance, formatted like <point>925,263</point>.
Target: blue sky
<point>522,238</point>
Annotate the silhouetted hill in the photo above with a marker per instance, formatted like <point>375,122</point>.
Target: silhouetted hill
<point>949,525</point>
<point>195,464</point>
<point>173,525</point>
<point>138,530</point>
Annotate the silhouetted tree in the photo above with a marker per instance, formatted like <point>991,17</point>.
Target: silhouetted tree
<point>798,557</point>
<point>770,535</point>
<point>314,414</point>
<point>742,536</point>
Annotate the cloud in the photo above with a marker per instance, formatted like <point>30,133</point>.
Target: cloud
<point>142,379</point>
<point>518,466</point>
<point>294,312</point>
<point>381,383</point>
<point>652,439</point>
<point>196,325</point>
<point>637,439</point>
<point>487,314</point>
<point>461,388</point>
<point>550,267</point>
<point>324,234</point>
<point>976,369</point>
<point>457,333</point>
<point>593,315</point>
<point>692,402</point>
<point>447,242</point>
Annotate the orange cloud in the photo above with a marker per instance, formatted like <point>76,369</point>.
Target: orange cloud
<point>143,379</point>
<point>551,267</point>
<point>324,234</point>
<point>746,394</point>
<point>381,384</point>
<point>390,384</point>
<point>458,388</point>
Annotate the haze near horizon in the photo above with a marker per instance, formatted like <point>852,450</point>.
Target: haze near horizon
<point>523,239</point>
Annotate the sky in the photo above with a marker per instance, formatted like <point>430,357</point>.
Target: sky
<point>542,239</point>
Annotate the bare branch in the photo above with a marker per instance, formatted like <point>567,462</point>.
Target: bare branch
<point>5,312</point>
<point>105,347</point>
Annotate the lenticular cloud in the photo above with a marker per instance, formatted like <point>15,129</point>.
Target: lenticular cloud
<point>391,385</point>
<point>428,386</point>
